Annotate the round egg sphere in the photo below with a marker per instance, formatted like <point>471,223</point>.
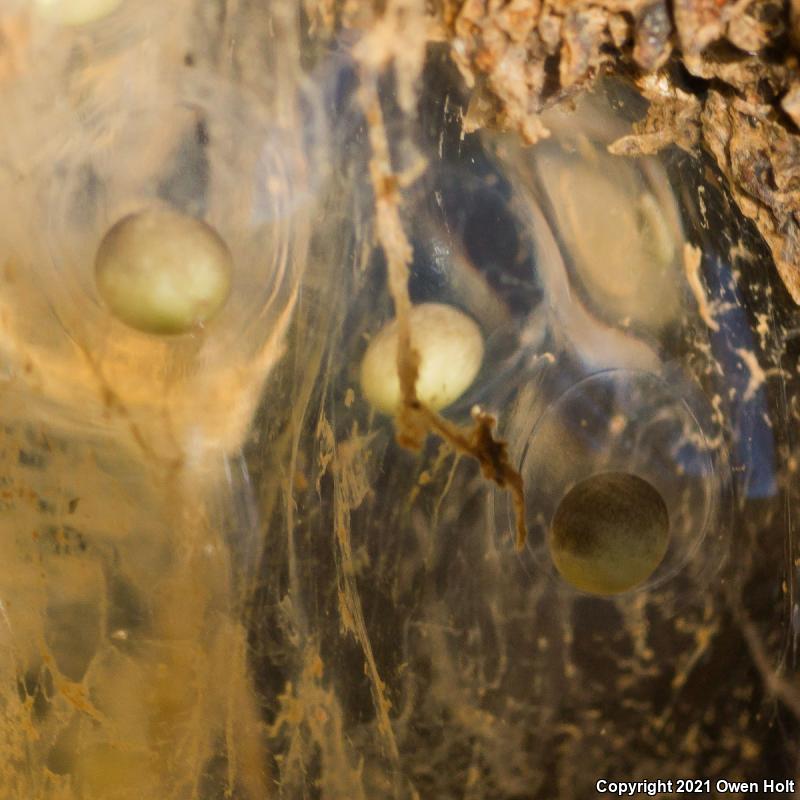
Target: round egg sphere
<point>609,533</point>
<point>450,347</point>
<point>163,272</point>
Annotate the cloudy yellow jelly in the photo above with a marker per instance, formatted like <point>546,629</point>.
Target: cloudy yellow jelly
<point>609,533</point>
<point>114,772</point>
<point>620,240</point>
<point>75,12</point>
<point>450,347</point>
<point>163,272</point>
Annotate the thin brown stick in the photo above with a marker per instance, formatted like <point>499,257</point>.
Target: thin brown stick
<point>414,420</point>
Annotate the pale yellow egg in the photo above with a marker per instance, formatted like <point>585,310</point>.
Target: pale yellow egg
<point>163,272</point>
<point>450,346</point>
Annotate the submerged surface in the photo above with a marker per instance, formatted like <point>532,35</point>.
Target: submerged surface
<point>221,575</point>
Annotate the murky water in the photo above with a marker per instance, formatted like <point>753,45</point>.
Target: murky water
<point>221,575</point>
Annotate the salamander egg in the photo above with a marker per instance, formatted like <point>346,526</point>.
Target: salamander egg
<point>609,533</point>
<point>163,272</point>
<point>450,347</point>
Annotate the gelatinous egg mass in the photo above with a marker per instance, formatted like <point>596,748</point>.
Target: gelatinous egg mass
<point>450,347</point>
<point>163,272</point>
<point>609,533</point>
<point>75,12</point>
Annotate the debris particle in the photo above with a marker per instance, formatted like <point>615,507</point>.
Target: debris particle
<point>692,256</point>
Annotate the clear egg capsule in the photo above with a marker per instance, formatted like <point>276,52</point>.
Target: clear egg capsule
<point>622,486</point>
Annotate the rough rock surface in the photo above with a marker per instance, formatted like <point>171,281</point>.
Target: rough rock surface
<point>719,73</point>
<point>738,57</point>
